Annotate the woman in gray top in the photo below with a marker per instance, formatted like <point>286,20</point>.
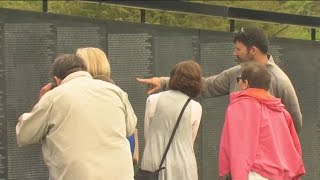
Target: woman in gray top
<point>162,111</point>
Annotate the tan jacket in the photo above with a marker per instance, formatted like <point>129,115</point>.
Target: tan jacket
<point>82,125</point>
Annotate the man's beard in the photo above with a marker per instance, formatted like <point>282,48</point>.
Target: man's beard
<point>239,60</point>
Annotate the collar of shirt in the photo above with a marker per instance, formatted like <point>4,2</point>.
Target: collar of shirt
<point>270,59</point>
<point>75,75</point>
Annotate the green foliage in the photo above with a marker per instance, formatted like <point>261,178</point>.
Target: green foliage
<point>31,5</point>
<point>94,10</point>
<point>308,8</point>
<point>103,11</point>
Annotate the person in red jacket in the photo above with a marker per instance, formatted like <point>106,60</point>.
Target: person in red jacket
<point>258,141</point>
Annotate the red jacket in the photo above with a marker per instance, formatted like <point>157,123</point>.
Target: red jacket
<point>259,136</point>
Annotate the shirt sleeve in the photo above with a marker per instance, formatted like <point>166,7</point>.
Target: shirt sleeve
<point>196,114</point>
<point>131,118</point>
<point>149,112</point>
<point>216,85</point>
<point>164,81</point>
<point>213,86</point>
<point>220,84</point>
<point>32,127</point>
<point>242,132</point>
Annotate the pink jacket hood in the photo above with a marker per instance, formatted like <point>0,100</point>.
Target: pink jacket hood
<point>260,95</point>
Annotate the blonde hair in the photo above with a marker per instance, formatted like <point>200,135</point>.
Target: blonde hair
<point>96,61</point>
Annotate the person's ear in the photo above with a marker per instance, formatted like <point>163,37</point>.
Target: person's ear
<point>254,50</point>
<point>58,80</point>
<point>245,84</point>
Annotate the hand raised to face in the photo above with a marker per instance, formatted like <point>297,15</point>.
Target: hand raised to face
<point>45,89</point>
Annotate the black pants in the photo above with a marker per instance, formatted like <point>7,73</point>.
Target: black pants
<point>228,177</point>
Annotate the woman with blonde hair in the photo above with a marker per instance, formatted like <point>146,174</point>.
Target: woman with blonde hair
<point>96,60</point>
<point>99,67</point>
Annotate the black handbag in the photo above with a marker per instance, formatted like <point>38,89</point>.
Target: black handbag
<point>154,175</point>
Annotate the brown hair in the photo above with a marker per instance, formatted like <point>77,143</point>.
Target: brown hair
<point>186,76</point>
<point>66,64</point>
<point>253,36</point>
<point>256,74</point>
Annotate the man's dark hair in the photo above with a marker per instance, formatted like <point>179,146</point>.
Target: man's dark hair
<point>186,77</point>
<point>66,64</point>
<point>256,74</point>
<point>253,37</point>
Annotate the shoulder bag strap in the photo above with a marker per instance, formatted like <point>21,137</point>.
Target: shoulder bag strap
<point>172,135</point>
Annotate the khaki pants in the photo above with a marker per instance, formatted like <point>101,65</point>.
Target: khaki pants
<point>255,176</point>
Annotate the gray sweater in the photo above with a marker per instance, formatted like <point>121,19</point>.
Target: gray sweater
<point>225,83</point>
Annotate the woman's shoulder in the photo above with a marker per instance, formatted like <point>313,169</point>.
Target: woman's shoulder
<point>196,104</point>
<point>153,97</point>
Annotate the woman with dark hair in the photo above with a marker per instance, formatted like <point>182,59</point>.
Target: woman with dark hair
<point>162,111</point>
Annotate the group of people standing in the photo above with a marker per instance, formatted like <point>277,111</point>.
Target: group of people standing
<point>84,120</point>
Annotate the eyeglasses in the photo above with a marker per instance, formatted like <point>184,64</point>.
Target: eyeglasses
<point>238,79</point>
<point>245,35</point>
